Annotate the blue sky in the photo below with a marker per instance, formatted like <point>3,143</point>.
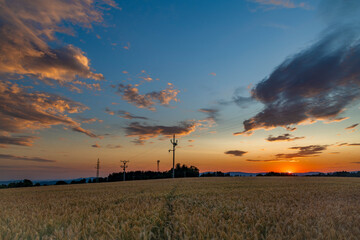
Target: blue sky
<point>186,61</point>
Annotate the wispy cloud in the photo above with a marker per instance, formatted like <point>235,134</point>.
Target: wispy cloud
<point>16,140</point>
<point>24,158</point>
<point>124,114</point>
<point>274,4</point>
<point>348,144</point>
<point>89,120</point>
<point>285,137</point>
<point>352,126</point>
<point>236,153</point>
<point>111,146</point>
<point>211,113</point>
<point>305,151</point>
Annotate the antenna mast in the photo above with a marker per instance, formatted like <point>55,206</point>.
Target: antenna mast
<point>174,143</point>
<point>124,162</point>
<point>97,170</point>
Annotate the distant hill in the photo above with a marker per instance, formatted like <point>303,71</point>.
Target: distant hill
<point>48,182</point>
<point>246,174</point>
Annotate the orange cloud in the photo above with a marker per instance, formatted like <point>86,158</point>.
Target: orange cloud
<point>131,94</point>
<point>21,111</point>
<point>27,27</point>
<point>96,145</point>
<point>16,140</point>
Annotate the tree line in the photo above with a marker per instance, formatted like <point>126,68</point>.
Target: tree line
<point>181,171</point>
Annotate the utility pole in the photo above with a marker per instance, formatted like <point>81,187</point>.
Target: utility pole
<point>174,143</point>
<point>124,162</point>
<point>158,162</point>
<point>97,170</point>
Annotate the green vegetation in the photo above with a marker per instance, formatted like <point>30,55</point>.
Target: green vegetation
<point>187,208</point>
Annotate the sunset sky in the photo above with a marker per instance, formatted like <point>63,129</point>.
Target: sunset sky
<point>249,85</point>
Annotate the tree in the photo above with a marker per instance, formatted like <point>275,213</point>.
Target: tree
<point>60,183</point>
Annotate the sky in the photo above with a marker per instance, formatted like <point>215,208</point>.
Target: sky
<point>249,85</point>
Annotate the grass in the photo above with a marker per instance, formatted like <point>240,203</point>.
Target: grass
<point>194,208</point>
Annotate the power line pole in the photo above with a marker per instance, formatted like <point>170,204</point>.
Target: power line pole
<point>174,143</point>
<point>158,162</point>
<point>124,162</point>
<point>97,170</point>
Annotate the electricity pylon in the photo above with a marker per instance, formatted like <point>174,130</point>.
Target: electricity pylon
<point>158,162</point>
<point>124,162</point>
<point>174,143</point>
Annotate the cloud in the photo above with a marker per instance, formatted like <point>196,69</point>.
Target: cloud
<point>27,27</point>
<point>256,160</point>
<point>21,111</point>
<point>305,151</point>
<point>285,137</point>
<point>212,73</point>
<point>315,84</point>
<point>24,158</point>
<point>356,162</point>
<point>111,146</point>
<point>139,141</point>
<point>84,131</point>
<point>239,99</point>
<point>89,120</point>
<point>143,132</point>
<point>273,4</point>
<point>211,113</point>
<point>352,126</point>
<point>271,160</point>
<point>18,140</point>
<point>124,114</point>
<point>348,144</point>
<point>236,153</point>
<point>131,94</point>
<point>96,145</point>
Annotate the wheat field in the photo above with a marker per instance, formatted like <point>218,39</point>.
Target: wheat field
<point>193,208</point>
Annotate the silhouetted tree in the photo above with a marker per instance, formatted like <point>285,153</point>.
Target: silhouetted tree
<point>60,183</point>
<point>180,172</point>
